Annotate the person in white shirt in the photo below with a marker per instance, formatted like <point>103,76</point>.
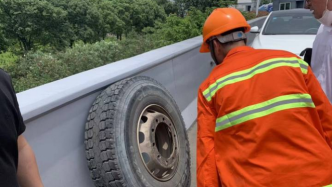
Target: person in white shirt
<point>321,60</point>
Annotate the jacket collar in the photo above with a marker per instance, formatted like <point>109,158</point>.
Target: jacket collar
<point>239,49</point>
<point>236,50</point>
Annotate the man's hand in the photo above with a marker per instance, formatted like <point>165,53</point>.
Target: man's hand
<point>27,171</point>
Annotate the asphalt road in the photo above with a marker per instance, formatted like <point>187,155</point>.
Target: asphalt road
<point>192,135</point>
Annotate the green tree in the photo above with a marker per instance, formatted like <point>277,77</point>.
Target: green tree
<point>133,15</point>
<point>203,5</point>
<point>169,6</point>
<point>145,13</point>
<point>3,42</point>
<point>109,19</point>
<point>175,29</point>
<point>83,18</point>
<point>198,17</point>
<point>123,11</point>
<point>28,21</point>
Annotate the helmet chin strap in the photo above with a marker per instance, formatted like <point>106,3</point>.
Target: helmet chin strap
<point>213,54</point>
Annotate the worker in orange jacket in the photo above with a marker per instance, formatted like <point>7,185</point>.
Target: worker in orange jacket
<point>263,119</point>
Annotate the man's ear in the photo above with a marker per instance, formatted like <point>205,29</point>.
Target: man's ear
<point>216,45</point>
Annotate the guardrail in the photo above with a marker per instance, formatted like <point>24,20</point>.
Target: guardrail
<point>55,113</point>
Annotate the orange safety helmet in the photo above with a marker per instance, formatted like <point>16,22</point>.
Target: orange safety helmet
<point>220,21</point>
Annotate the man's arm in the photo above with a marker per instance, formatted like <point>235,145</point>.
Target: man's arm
<point>322,104</point>
<point>207,175</point>
<point>27,171</point>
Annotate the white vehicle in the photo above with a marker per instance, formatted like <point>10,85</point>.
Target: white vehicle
<point>291,30</point>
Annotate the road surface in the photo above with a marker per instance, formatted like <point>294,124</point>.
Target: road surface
<point>192,135</point>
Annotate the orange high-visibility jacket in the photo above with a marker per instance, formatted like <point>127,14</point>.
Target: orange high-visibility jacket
<point>263,121</point>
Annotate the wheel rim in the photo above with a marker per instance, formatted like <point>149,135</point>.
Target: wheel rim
<point>158,143</point>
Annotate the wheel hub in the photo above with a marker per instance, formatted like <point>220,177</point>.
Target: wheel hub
<point>158,143</point>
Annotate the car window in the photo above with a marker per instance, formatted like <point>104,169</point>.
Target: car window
<point>295,23</point>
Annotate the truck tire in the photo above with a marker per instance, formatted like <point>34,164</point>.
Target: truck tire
<point>135,137</point>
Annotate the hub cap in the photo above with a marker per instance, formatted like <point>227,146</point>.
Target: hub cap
<point>158,143</point>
